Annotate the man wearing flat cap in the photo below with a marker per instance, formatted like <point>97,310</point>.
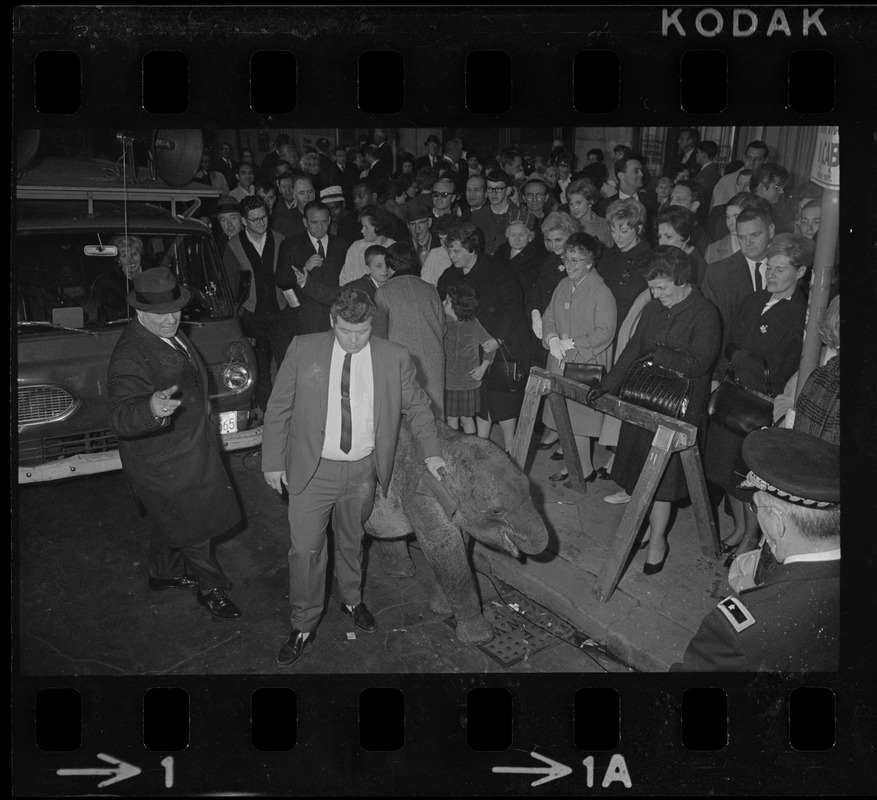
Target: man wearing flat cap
<point>790,622</point>
<point>169,447</point>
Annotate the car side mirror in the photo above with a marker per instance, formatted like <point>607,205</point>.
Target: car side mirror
<point>245,280</point>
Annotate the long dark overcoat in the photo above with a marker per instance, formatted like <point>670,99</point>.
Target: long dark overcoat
<point>174,469</point>
<point>684,338</point>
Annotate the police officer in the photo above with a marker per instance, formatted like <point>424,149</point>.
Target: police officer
<point>790,622</point>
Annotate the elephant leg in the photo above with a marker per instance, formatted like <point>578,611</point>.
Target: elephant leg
<point>395,558</point>
<point>438,603</point>
<point>446,554</point>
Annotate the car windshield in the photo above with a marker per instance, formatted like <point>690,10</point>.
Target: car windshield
<point>61,280</point>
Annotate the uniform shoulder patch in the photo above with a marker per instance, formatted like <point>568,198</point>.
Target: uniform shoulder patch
<point>737,614</point>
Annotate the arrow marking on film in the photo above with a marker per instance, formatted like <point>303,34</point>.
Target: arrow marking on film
<point>553,771</point>
<point>120,772</point>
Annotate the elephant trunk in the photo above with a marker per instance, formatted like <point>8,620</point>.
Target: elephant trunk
<point>529,534</point>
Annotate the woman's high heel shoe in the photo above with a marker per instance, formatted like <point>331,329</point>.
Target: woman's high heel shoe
<point>654,569</point>
<point>588,479</point>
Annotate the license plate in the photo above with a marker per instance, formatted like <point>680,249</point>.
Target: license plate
<point>228,422</point>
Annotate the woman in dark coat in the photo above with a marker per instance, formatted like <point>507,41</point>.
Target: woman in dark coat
<point>168,444</point>
<point>768,330</point>
<point>501,312</point>
<point>621,265</point>
<point>681,330</point>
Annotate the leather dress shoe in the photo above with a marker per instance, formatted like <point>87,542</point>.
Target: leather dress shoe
<point>603,473</point>
<point>293,647</point>
<point>362,617</point>
<point>556,456</point>
<point>546,445</point>
<point>559,476</point>
<point>180,582</point>
<point>218,604</point>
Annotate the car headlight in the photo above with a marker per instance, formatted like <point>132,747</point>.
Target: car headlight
<point>236,377</point>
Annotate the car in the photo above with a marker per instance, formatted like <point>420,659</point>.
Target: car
<point>71,309</point>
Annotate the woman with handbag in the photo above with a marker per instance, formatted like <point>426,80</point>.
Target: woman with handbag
<point>501,312</point>
<point>577,329</point>
<point>679,331</point>
<point>763,352</point>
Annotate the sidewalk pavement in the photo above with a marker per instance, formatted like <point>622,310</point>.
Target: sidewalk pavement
<point>648,621</point>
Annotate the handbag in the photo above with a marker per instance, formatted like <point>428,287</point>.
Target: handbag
<point>657,388</point>
<point>739,409</point>
<point>505,374</point>
<point>588,374</point>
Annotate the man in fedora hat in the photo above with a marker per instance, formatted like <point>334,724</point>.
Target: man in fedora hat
<point>791,621</point>
<point>169,448</point>
<point>229,216</point>
<point>433,156</point>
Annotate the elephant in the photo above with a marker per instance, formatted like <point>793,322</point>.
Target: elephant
<point>483,494</point>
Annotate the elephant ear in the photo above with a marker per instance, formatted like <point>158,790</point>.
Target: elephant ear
<point>432,487</point>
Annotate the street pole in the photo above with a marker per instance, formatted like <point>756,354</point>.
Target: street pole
<point>826,172</point>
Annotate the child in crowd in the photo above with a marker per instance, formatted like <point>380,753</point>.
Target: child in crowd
<point>464,368</point>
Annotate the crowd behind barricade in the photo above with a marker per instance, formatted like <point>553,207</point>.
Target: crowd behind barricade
<point>488,265</point>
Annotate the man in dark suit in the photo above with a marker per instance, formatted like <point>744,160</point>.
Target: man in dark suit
<point>790,622</point>
<point>378,170</point>
<point>225,164</point>
<point>629,176</point>
<point>309,267</point>
<point>432,157</point>
<point>330,436</point>
<point>342,173</point>
<point>688,194</point>
<point>169,447</point>
<point>265,316</point>
<point>296,191</point>
<point>385,152</point>
<point>729,281</point>
<point>708,175</point>
<point>687,156</point>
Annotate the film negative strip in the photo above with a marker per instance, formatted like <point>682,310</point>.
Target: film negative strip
<point>124,689</point>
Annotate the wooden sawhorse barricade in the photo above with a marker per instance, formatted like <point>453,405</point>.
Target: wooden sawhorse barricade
<point>671,436</point>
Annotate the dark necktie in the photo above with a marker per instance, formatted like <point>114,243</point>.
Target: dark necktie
<point>320,251</point>
<point>178,347</point>
<point>758,284</point>
<point>346,428</point>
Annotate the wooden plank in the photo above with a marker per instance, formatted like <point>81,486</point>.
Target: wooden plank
<point>634,514</point>
<point>567,441</point>
<point>700,502</point>
<point>533,391</point>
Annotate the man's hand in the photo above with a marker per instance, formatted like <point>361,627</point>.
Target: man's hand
<point>161,404</point>
<point>434,464</point>
<point>490,345</point>
<point>300,276</point>
<point>313,261</point>
<point>276,480</point>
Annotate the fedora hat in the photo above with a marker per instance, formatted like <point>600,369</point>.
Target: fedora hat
<point>227,204</point>
<point>157,291</point>
<point>331,194</point>
<point>416,209</point>
<point>432,139</point>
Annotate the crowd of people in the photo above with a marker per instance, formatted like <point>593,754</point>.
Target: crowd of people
<point>487,265</point>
